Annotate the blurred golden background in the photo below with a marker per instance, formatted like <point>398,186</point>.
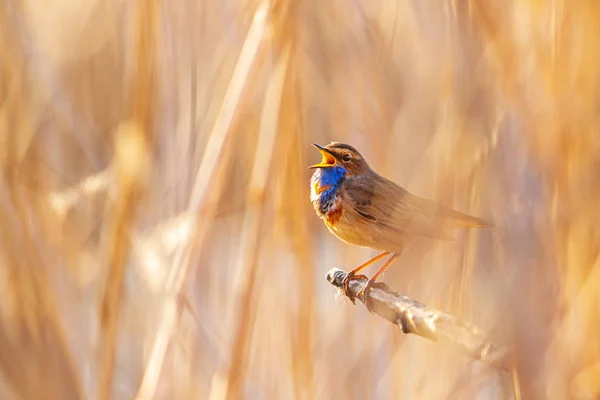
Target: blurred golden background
<point>158,241</point>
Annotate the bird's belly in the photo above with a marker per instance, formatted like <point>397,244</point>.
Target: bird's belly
<point>345,233</point>
<point>350,232</point>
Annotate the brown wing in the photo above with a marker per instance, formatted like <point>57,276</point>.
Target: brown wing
<point>395,210</point>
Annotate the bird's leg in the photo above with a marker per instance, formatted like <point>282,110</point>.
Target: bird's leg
<point>371,281</point>
<point>353,273</point>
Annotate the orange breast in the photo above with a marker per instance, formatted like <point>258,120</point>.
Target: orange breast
<point>335,212</point>
<point>334,215</point>
<point>320,189</point>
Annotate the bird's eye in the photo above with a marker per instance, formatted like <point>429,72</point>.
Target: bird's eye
<point>346,157</point>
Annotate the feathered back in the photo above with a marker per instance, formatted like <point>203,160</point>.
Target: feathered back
<point>393,209</point>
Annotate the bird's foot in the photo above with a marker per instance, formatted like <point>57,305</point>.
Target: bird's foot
<point>371,283</point>
<point>349,276</point>
<point>363,292</point>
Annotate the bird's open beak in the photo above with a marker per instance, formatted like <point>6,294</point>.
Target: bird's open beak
<point>328,158</point>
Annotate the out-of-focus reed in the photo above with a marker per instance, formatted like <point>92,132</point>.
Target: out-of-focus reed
<point>157,237</point>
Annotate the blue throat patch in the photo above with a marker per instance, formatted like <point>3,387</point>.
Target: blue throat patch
<point>332,176</point>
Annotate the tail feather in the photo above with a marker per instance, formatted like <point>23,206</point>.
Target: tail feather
<point>472,222</point>
<point>463,220</point>
<point>443,215</point>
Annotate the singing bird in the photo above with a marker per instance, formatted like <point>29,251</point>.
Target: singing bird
<point>363,208</point>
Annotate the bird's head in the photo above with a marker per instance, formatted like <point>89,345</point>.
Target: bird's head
<point>336,155</point>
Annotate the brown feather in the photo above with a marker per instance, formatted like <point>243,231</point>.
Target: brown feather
<point>393,210</point>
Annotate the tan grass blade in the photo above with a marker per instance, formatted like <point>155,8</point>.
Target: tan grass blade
<point>253,229</point>
<point>205,189</point>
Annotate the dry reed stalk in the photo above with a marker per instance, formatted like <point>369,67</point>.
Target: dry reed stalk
<point>132,166</point>
<point>133,143</point>
<point>253,229</point>
<point>17,112</point>
<point>206,191</point>
<point>560,136</point>
<point>33,325</point>
<point>34,343</point>
<point>288,19</point>
<point>304,320</point>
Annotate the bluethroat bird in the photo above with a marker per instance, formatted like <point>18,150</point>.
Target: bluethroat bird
<point>363,208</point>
